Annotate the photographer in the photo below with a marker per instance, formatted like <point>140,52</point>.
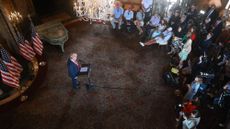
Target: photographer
<point>224,103</point>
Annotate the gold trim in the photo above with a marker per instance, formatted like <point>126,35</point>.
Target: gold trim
<point>18,92</point>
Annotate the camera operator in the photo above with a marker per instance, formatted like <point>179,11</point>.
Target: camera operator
<point>225,104</point>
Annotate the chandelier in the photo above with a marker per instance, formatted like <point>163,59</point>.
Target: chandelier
<point>93,10</point>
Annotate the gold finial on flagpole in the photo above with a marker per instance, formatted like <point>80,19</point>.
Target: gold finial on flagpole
<point>29,17</point>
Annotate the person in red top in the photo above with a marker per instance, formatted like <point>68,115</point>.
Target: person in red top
<point>193,37</point>
<point>193,34</point>
<point>189,107</point>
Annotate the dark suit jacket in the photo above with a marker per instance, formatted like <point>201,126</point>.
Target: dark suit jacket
<point>217,31</point>
<point>73,69</point>
<point>213,16</point>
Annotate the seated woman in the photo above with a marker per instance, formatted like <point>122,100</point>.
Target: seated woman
<point>160,28</point>
<point>139,22</point>
<point>161,40</point>
<point>162,25</point>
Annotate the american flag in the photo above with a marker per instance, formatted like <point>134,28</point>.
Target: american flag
<point>25,48</point>
<point>12,64</point>
<point>7,77</point>
<point>37,43</point>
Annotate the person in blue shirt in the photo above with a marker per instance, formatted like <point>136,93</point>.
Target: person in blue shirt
<point>128,19</point>
<point>74,70</point>
<point>117,15</point>
<point>193,88</point>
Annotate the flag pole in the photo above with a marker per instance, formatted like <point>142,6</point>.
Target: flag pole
<point>16,30</point>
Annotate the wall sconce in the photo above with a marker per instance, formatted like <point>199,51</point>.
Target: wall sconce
<point>15,17</point>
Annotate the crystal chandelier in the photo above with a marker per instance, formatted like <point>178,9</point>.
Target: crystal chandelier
<point>93,10</point>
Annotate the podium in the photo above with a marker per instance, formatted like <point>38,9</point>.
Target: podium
<point>86,71</point>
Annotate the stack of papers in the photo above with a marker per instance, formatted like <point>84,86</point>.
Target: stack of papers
<point>84,69</point>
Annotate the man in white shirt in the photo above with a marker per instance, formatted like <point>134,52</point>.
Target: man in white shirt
<point>128,19</point>
<point>147,8</point>
<point>117,15</point>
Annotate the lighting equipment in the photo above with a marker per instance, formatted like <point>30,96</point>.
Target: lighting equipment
<point>202,12</point>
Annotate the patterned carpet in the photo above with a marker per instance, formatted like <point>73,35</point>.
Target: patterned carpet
<point>129,92</point>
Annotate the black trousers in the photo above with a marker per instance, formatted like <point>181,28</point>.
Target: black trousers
<point>128,25</point>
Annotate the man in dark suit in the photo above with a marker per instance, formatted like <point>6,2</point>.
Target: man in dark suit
<point>74,70</point>
<point>217,28</point>
<point>212,13</point>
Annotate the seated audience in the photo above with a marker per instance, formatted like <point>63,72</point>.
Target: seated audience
<point>201,62</point>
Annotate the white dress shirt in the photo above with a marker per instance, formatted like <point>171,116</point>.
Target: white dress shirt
<point>118,12</point>
<point>128,14</point>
